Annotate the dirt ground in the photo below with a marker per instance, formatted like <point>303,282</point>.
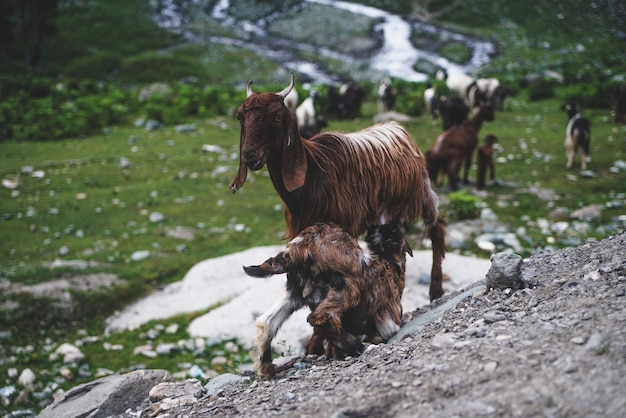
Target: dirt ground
<point>556,348</point>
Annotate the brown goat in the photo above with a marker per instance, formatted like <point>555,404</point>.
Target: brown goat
<point>485,162</point>
<point>357,180</point>
<point>352,292</point>
<point>455,147</point>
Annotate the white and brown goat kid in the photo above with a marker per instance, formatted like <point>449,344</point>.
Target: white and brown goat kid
<point>577,136</point>
<point>354,293</point>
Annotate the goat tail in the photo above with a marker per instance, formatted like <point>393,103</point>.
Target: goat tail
<point>437,235</point>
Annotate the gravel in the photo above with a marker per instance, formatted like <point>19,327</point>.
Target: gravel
<point>556,347</point>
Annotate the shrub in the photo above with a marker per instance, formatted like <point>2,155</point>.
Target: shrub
<point>463,205</point>
<point>541,89</point>
<point>96,66</point>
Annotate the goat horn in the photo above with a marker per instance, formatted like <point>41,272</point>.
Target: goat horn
<point>249,89</point>
<point>285,92</point>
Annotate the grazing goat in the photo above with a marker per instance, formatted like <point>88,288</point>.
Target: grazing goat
<point>305,113</point>
<point>345,103</point>
<point>309,131</point>
<point>353,292</point>
<point>620,104</point>
<point>357,180</point>
<point>386,96</point>
<point>463,85</point>
<point>494,93</point>
<point>431,101</point>
<point>455,147</point>
<point>485,162</point>
<point>453,111</point>
<point>291,100</point>
<point>577,136</point>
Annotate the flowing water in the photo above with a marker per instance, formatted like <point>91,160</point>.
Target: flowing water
<point>395,58</point>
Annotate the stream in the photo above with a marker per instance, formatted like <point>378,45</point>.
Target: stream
<point>395,58</point>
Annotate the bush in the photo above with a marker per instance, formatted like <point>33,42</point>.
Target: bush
<point>463,205</point>
<point>541,89</point>
<point>97,66</point>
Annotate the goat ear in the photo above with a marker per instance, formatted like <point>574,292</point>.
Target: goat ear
<point>294,158</point>
<point>242,172</point>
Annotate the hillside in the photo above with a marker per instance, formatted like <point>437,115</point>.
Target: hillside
<point>555,348</point>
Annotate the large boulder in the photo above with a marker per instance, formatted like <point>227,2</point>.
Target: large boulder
<point>108,396</point>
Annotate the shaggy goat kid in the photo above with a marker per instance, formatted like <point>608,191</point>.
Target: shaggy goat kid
<point>455,146</point>
<point>358,180</point>
<point>577,136</point>
<point>485,162</point>
<point>351,291</point>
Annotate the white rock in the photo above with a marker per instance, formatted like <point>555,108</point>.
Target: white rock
<point>69,352</point>
<point>27,377</point>
<point>156,217</point>
<point>10,183</point>
<point>140,255</point>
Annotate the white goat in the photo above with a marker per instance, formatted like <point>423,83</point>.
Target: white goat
<point>305,113</point>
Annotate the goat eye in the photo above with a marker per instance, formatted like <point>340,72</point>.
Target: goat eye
<point>277,118</point>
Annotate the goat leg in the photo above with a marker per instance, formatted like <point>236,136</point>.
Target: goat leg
<point>316,343</point>
<point>328,316</point>
<point>267,326</point>
<point>273,265</point>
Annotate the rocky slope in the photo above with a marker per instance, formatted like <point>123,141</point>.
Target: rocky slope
<point>555,347</point>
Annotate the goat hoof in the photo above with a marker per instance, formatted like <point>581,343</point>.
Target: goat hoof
<point>267,370</point>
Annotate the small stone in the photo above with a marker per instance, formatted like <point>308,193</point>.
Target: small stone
<point>172,329</point>
<point>165,390</point>
<point>27,377</point>
<point>595,343</point>
<point>140,255</point>
<point>165,349</point>
<point>445,340</point>
<point>491,317</point>
<point>577,340</point>
<point>505,272</point>
<point>70,353</point>
<point>490,366</point>
<point>219,361</point>
<point>196,372</point>
<point>66,373</point>
<point>155,217</point>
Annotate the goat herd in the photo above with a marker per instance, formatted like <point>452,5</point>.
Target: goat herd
<point>337,186</point>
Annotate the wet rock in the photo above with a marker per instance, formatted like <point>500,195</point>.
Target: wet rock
<point>505,272</point>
